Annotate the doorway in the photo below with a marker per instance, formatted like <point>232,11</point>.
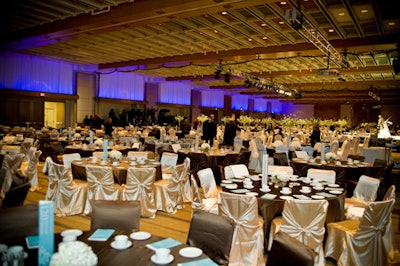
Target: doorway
<point>54,114</point>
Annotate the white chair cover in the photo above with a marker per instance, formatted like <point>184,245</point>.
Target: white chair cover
<point>207,183</point>
<point>295,145</point>
<point>208,205</point>
<point>237,144</point>
<point>168,162</point>
<point>302,155</point>
<point>269,141</point>
<point>277,143</point>
<point>322,174</point>
<point>186,191</point>
<point>254,155</point>
<point>47,166</point>
<point>32,172</point>
<point>365,191</point>
<point>11,165</point>
<point>140,186</point>
<point>248,236</point>
<point>166,192</point>
<point>99,154</point>
<point>137,155</point>
<point>176,147</point>
<point>309,150</point>
<point>354,149</point>
<point>344,152</point>
<point>101,185</point>
<point>354,242</point>
<point>304,220</point>
<point>235,170</point>
<point>68,158</point>
<point>280,168</point>
<point>69,195</point>
<point>334,146</point>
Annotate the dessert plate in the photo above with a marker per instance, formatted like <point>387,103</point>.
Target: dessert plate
<point>140,235</point>
<point>71,232</point>
<point>190,252</point>
<point>336,192</point>
<point>317,197</point>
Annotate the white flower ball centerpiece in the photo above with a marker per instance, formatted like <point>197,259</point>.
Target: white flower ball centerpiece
<point>115,156</point>
<point>74,253</point>
<point>330,157</point>
<point>279,178</point>
<point>98,143</point>
<point>205,147</point>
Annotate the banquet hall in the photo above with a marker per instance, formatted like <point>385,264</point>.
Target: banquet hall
<point>125,87</point>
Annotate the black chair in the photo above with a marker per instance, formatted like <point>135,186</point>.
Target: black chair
<point>16,196</point>
<point>287,250</point>
<point>121,215</point>
<point>211,233</point>
<point>280,158</point>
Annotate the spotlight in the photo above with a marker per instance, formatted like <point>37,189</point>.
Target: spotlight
<point>247,83</point>
<point>227,77</point>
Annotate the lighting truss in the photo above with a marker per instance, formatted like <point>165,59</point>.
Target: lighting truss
<point>311,33</point>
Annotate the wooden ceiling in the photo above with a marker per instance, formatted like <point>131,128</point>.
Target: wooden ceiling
<point>189,40</point>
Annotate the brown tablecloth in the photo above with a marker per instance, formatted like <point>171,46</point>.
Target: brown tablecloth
<point>119,172</point>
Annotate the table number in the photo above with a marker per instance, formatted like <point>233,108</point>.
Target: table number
<point>105,150</point>
<point>46,231</point>
<point>264,180</point>
<point>91,139</point>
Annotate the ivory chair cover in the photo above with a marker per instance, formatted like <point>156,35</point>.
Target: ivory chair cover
<point>365,191</point>
<point>25,146</point>
<point>176,147</point>
<point>140,186</point>
<point>11,165</point>
<point>295,144</point>
<point>137,155</point>
<point>235,170</point>
<point>208,205</point>
<point>30,152</point>
<point>69,195</point>
<point>186,191</point>
<point>47,166</point>
<point>277,143</point>
<point>334,146</point>
<point>99,154</point>
<point>121,215</point>
<point>166,192</point>
<point>248,237</point>
<point>318,147</point>
<point>210,191</point>
<point>101,186</point>
<point>344,151</point>
<point>213,234</point>
<point>361,242</point>
<point>303,220</point>
<point>322,174</point>
<point>168,162</point>
<point>254,156</point>
<point>68,158</point>
<point>269,141</point>
<point>281,168</point>
<point>354,148</point>
<point>309,150</point>
<point>31,172</point>
<point>237,144</point>
<point>302,155</point>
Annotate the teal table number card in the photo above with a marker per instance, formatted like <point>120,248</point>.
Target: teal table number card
<point>46,232</point>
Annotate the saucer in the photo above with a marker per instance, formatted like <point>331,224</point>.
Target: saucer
<point>286,193</point>
<point>305,192</point>
<point>333,185</point>
<point>190,252</point>
<point>169,260</point>
<point>307,181</point>
<point>317,197</point>
<point>249,187</point>
<point>319,188</point>
<point>336,192</point>
<point>128,244</point>
<point>252,194</point>
<point>140,235</point>
<point>71,232</point>
<point>226,181</point>
<point>286,197</point>
<point>265,189</point>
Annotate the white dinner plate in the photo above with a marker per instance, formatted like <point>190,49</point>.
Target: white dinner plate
<point>190,252</point>
<point>231,186</point>
<point>168,261</point>
<point>128,244</point>
<point>336,192</point>
<point>286,197</point>
<point>265,189</point>
<point>333,185</point>
<point>71,232</point>
<point>317,197</point>
<point>252,194</point>
<point>140,235</point>
<point>286,193</point>
<point>305,192</point>
<point>226,181</point>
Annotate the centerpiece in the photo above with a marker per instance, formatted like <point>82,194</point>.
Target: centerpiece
<point>330,157</point>
<point>74,253</point>
<point>279,178</point>
<point>205,147</point>
<point>115,156</point>
<point>245,120</point>
<point>179,118</point>
<point>98,143</point>
<point>225,119</point>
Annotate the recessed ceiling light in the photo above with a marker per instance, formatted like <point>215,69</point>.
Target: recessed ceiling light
<point>250,39</point>
<point>341,14</point>
<point>224,13</point>
<point>263,24</point>
<point>281,22</point>
<point>215,31</point>
<point>364,11</point>
<point>283,3</point>
<point>331,30</point>
<point>392,23</point>
<point>265,37</point>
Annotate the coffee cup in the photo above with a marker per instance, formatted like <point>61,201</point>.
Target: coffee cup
<point>247,183</point>
<point>307,180</point>
<point>162,254</point>
<point>338,163</point>
<point>121,240</point>
<point>286,189</point>
<point>305,189</point>
<point>15,255</point>
<point>69,238</point>
<point>246,179</point>
<point>319,186</point>
<point>115,163</point>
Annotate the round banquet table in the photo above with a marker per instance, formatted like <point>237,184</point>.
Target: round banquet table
<point>87,151</point>
<point>79,172</point>
<point>272,207</point>
<point>344,171</point>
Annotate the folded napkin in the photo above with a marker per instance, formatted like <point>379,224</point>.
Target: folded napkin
<point>334,188</point>
<point>268,196</point>
<point>201,262</point>
<point>326,195</point>
<point>302,197</point>
<point>165,243</point>
<point>240,190</point>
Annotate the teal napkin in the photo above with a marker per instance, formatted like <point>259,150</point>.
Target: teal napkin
<point>201,262</point>
<point>165,243</point>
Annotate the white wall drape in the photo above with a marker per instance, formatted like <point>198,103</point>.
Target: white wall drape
<point>212,98</point>
<point>175,93</point>
<point>120,85</point>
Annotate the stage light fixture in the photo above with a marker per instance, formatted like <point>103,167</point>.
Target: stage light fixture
<point>217,74</point>
<point>227,77</point>
<point>247,83</point>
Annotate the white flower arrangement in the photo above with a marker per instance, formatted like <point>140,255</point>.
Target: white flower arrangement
<point>225,119</point>
<point>279,177</point>
<point>115,155</point>
<point>179,118</point>
<point>289,121</point>
<point>245,120</point>
<point>205,147</point>
<point>77,136</point>
<point>341,123</point>
<point>330,156</point>
<point>267,121</point>
<point>74,253</point>
<point>202,118</point>
<point>98,142</point>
